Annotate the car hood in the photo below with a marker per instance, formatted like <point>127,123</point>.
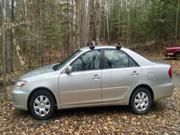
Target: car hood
<point>39,71</point>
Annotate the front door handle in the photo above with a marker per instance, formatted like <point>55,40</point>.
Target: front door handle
<point>96,77</point>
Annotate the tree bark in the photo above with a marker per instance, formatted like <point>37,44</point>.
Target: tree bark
<point>128,22</point>
<point>107,23</point>
<point>12,36</point>
<point>4,48</point>
<point>92,21</point>
<point>177,20</point>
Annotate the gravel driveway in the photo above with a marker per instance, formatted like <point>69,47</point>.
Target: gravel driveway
<point>164,118</point>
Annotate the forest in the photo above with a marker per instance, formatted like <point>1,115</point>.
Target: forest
<point>38,32</point>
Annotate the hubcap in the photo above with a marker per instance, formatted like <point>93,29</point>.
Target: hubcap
<point>41,105</point>
<point>141,101</point>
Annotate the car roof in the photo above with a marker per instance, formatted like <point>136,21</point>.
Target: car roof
<point>137,57</point>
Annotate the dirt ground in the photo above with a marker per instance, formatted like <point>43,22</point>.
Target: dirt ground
<point>164,118</point>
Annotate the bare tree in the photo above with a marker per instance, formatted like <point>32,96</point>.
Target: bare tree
<point>4,46</point>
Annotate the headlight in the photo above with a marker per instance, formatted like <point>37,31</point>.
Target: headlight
<point>21,83</point>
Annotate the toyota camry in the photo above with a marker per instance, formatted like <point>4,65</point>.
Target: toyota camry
<point>94,76</point>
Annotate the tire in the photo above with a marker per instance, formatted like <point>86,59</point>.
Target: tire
<point>140,101</point>
<point>42,105</point>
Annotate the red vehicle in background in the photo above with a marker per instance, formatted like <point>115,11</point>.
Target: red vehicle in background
<point>173,52</point>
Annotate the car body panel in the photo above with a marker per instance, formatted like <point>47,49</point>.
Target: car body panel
<point>48,80</point>
<point>20,98</point>
<point>117,83</point>
<point>76,89</point>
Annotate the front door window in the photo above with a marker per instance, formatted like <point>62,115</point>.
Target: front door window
<point>87,61</point>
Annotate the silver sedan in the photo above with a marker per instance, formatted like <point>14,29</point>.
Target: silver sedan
<point>94,76</point>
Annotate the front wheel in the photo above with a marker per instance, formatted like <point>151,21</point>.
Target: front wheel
<point>42,104</point>
<point>141,101</point>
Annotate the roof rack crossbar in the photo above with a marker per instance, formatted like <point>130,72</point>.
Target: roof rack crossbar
<point>91,45</point>
<point>118,46</point>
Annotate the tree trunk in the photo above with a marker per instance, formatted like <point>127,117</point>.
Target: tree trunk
<point>92,22</point>
<point>4,48</point>
<point>107,23</point>
<point>177,18</point>
<point>128,22</point>
<point>12,36</point>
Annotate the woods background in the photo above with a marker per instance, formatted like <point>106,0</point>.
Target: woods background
<point>38,32</point>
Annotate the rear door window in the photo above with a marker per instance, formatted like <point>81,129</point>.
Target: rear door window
<point>117,59</point>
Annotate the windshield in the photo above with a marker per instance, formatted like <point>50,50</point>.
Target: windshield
<point>68,59</point>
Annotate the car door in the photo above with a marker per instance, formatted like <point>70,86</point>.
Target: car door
<point>120,73</point>
<point>83,84</point>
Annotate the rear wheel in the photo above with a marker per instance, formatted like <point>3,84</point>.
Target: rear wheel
<point>141,101</point>
<point>42,105</point>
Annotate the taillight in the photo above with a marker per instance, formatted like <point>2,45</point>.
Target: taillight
<point>170,72</point>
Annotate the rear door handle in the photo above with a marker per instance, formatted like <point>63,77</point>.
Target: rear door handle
<point>134,73</point>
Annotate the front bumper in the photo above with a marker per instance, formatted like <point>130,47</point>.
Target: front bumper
<point>20,98</point>
<point>163,91</point>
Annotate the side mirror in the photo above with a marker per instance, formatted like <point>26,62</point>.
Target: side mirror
<point>68,70</point>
